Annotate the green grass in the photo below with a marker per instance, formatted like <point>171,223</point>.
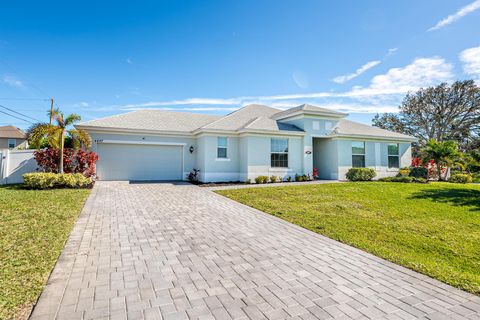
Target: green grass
<point>34,226</point>
<point>431,228</point>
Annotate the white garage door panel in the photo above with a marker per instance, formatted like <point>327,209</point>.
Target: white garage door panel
<point>139,162</point>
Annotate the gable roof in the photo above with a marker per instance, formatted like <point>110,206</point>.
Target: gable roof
<point>308,109</point>
<point>241,117</point>
<point>152,120</point>
<point>12,132</point>
<point>251,118</point>
<point>349,128</point>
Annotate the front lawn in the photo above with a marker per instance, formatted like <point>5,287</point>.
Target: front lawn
<point>34,226</point>
<point>431,228</point>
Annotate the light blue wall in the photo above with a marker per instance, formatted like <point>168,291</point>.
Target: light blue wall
<point>381,167</point>
<point>190,159</point>
<point>220,169</point>
<point>306,123</point>
<point>325,158</point>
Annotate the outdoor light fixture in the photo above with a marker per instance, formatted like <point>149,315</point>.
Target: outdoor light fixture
<point>192,149</point>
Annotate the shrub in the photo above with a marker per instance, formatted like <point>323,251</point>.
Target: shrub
<point>74,161</point>
<point>403,172</point>
<point>461,178</point>
<point>476,178</point>
<point>386,179</point>
<point>420,180</point>
<point>404,179</point>
<point>261,179</point>
<point>248,181</point>
<point>361,174</point>
<point>419,172</point>
<point>49,180</point>
<point>273,179</point>
<point>289,179</point>
<point>298,178</point>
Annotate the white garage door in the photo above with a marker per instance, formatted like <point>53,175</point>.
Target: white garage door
<point>139,162</point>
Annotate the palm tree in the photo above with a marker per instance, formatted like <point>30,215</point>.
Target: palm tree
<point>54,134</point>
<point>443,153</point>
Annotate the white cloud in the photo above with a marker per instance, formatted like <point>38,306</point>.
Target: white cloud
<point>383,94</point>
<point>13,81</point>
<point>471,61</point>
<point>422,72</point>
<point>457,15</point>
<point>359,71</point>
<point>392,51</point>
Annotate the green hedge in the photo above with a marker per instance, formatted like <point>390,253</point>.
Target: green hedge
<point>46,180</point>
<point>404,179</point>
<point>460,178</point>
<point>361,174</point>
<point>419,172</point>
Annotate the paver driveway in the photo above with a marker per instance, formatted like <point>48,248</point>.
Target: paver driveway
<point>177,251</point>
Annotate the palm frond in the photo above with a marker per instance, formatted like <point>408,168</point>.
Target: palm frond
<point>80,138</point>
<point>72,118</point>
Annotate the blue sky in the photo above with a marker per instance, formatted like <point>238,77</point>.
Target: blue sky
<point>98,59</point>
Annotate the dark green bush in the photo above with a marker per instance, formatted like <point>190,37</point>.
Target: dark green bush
<point>289,178</point>
<point>404,179</point>
<point>419,172</point>
<point>273,179</point>
<point>48,180</point>
<point>460,178</point>
<point>361,174</point>
<point>386,179</point>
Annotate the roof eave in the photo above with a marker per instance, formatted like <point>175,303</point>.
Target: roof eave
<point>367,136</point>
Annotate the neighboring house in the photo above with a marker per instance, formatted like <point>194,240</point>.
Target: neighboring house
<point>12,137</point>
<point>254,140</point>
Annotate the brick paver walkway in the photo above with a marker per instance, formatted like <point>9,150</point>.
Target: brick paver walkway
<point>153,251</point>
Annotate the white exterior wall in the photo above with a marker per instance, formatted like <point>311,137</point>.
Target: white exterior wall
<point>325,158</point>
<point>14,163</point>
<point>220,169</point>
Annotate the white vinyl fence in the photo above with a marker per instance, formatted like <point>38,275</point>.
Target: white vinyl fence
<point>14,163</point>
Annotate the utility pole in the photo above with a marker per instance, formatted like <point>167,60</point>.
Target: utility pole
<point>51,110</point>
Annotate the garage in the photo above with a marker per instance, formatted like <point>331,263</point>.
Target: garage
<point>131,161</point>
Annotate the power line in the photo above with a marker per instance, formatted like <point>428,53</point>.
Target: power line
<point>30,99</point>
<point>23,115</point>
<point>11,115</point>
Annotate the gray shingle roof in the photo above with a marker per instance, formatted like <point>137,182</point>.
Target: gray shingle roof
<point>12,132</point>
<point>253,117</point>
<point>154,120</point>
<point>241,117</point>
<point>346,127</point>
<point>306,108</point>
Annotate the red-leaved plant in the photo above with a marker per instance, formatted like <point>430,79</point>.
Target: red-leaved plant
<point>430,165</point>
<point>315,173</point>
<point>74,161</point>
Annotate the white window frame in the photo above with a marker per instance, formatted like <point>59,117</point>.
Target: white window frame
<point>393,155</point>
<point>10,142</point>
<point>222,147</point>
<point>364,154</point>
<point>277,152</point>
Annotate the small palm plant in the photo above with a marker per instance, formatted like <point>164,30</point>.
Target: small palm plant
<point>54,134</point>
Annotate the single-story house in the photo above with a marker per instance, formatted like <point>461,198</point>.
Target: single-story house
<point>12,137</point>
<point>252,141</point>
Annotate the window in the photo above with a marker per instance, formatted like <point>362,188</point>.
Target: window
<point>393,156</point>
<point>222,143</point>
<point>12,143</point>
<point>279,153</point>
<point>358,154</point>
